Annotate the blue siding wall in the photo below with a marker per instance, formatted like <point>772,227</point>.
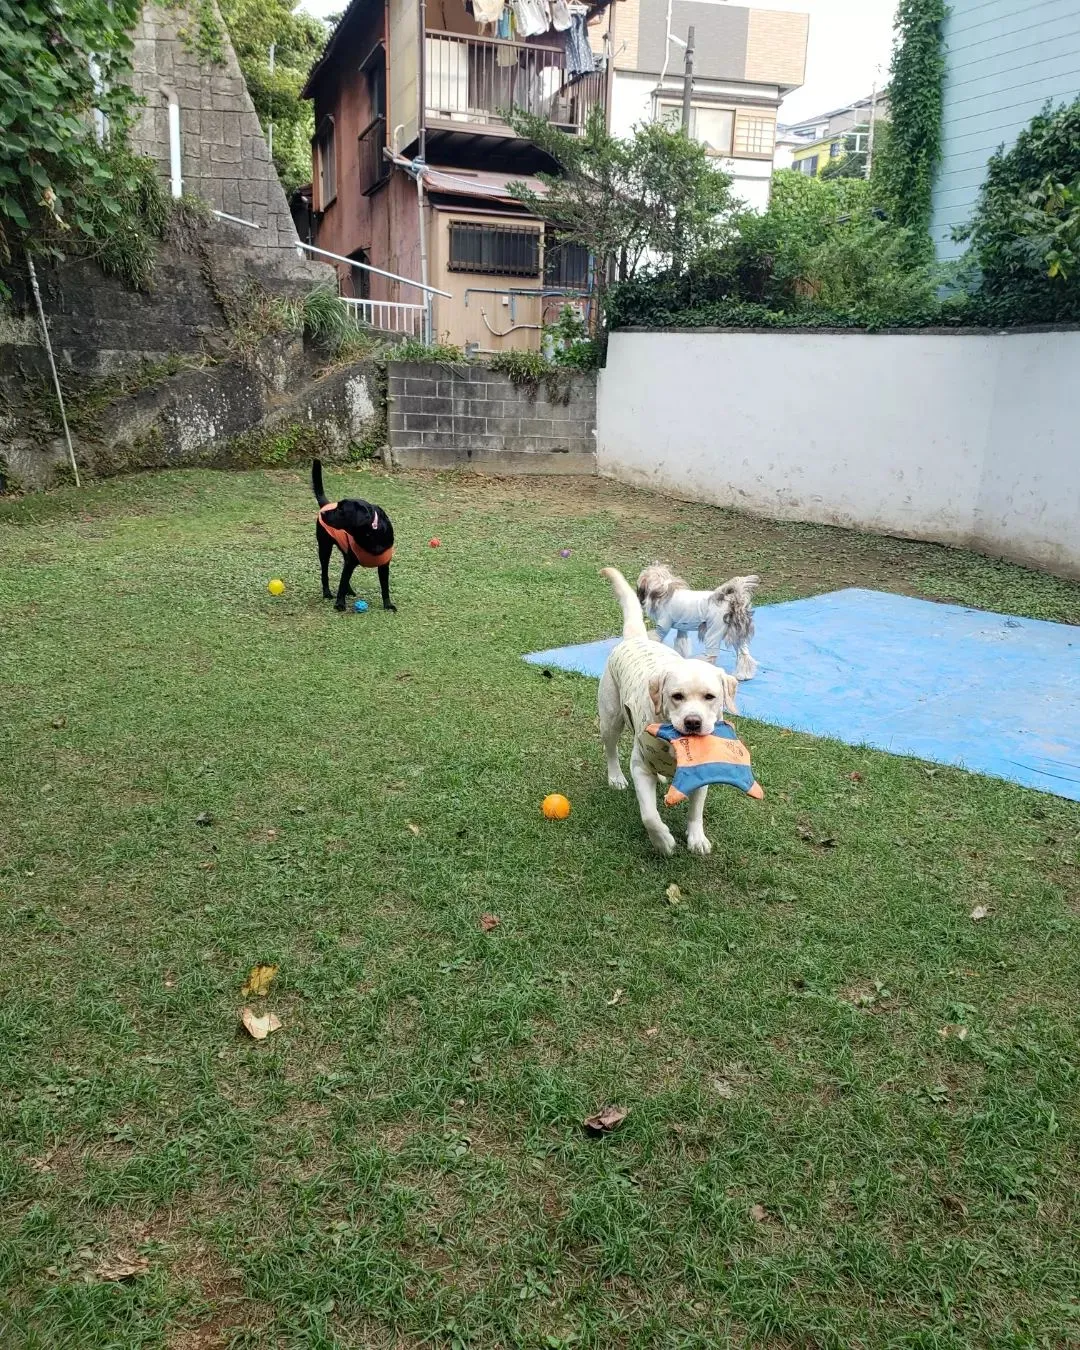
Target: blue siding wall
<point>1005,58</point>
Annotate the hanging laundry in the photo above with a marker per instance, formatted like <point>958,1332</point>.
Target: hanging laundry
<point>487,11</point>
<point>531,17</point>
<point>505,29</point>
<point>580,59</point>
<point>560,15</point>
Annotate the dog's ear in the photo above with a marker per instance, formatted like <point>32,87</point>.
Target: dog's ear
<point>731,688</point>
<point>656,693</point>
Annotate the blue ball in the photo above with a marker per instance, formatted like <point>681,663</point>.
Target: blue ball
<point>359,606</point>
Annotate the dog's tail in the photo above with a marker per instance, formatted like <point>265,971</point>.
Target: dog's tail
<point>633,619</point>
<point>735,599</point>
<point>316,483</point>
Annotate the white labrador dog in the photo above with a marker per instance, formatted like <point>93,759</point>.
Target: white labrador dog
<point>645,682</point>
<point>721,617</point>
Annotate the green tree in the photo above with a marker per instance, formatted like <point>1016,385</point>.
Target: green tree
<point>654,199</point>
<point>298,38</point>
<point>907,165</point>
<point>66,178</point>
<point>1025,233</point>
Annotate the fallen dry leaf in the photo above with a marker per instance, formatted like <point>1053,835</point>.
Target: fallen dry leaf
<point>855,777</point>
<point>59,722</point>
<point>489,921</point>
<point>259,1028</point>
<point>759,1213</point>
<point>979,912</point>
<point>41,1164</point>
<point>259,981</point>
<point>615,998</point>
<point>652,1031</point>
<point>271,834</point>
<point>122,1267</point>
<point>206,866</point>
<point>959,1032</point>
<point>412,827</point>
<point>204,818</point>
<point>673,894</point>
<point>610,1118</point>
<point>723,1088</point>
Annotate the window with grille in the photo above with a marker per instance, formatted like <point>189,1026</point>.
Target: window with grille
<point>498,250</point>
<point>566,265</point>
<point>326,157</point>
<point>754,135</point>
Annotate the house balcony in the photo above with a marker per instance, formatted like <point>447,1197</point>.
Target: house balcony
<point>471,82</point>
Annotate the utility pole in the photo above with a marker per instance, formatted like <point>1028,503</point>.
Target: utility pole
<point>870,137</point>
<point>688,80</point>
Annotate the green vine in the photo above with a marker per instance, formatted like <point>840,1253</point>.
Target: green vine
<point>204,32</point>
<point>915,96</point>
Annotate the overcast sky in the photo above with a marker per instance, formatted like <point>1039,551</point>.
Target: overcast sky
<point>849,40</point>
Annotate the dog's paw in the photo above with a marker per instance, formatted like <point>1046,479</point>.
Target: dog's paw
<point>663,841</point>
<point>697,843</point>
<point>340,604</point>
<point>618,781</point>
<point>392,609</point>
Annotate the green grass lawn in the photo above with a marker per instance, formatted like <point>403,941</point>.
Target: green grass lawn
<point>853,1111</point>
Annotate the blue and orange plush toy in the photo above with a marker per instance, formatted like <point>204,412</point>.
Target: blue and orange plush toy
<point>701,761</point>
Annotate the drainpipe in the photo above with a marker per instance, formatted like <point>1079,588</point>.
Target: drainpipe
<point>429,311</point>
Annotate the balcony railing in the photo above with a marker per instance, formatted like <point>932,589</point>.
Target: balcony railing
<point>476,80</point>
<point>374,166</point>
<point>389,316</point>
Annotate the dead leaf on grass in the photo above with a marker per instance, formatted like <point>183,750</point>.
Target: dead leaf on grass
<point>723,1088</point>
<point>489,921</point>
<point>122,1266</point>
<point>759,1214</point>
<point>259,1027</point>
<point>206,866</point>
<point>610,1118</point>
<point>651,1032</point>
<point>271,834</point>
<point>412,827</point>
<point>979,912</point>
<point>855,777</point>
<point>259,981</point>
<point>959,1032</point>
<point>204,818</point>
<point>59,722</point>
<point>41,1164</point>
<point>673,895</point>
<point>616,997</point>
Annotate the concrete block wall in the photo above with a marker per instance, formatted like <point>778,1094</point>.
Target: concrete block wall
<point>224,156</point>
<point>470,417</point>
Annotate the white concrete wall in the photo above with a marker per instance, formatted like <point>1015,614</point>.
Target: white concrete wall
<point>632,104</point>
<point>965,439</point>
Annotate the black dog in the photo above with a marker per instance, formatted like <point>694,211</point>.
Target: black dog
<point>364,534</point>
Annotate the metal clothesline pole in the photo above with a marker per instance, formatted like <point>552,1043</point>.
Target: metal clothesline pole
<point>52,365</point>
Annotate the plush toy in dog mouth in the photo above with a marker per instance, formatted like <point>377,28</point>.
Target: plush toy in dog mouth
<point>701,761</point>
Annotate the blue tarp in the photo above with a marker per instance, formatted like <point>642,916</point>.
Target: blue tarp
<point>989,692</point>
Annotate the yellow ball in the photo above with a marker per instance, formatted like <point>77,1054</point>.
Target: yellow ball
<point>555,806</point>
<point>276,587</point>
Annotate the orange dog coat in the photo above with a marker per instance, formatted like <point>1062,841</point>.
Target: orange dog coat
<point>348,544</point>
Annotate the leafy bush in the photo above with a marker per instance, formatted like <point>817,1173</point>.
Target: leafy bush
<point>1025,234</point>
<point>820,254</point>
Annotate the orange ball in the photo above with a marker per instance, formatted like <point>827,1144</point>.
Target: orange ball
<point>555,806</point>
